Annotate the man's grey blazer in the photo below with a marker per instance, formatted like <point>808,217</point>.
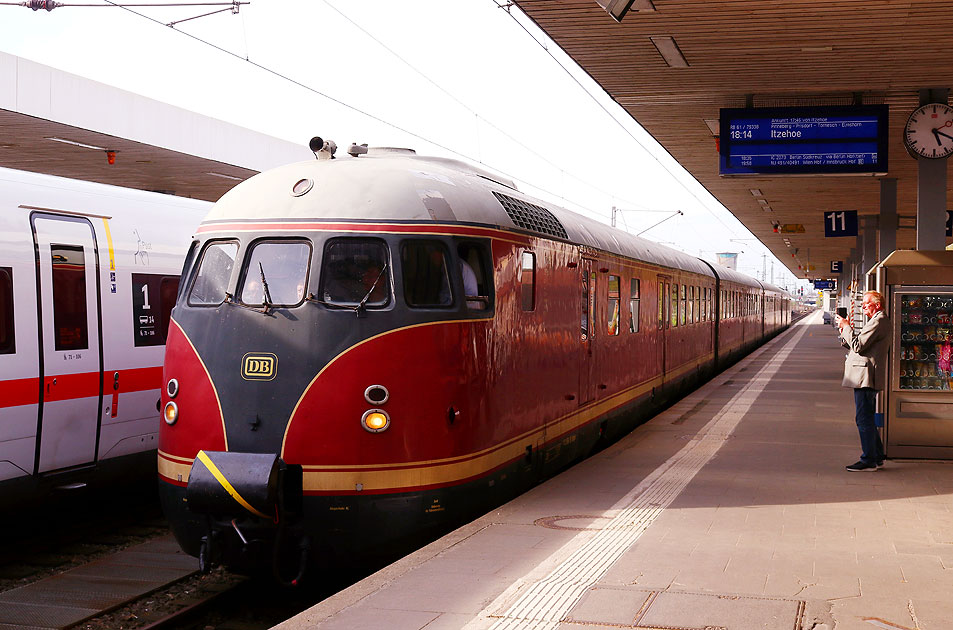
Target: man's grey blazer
<point>866,363</point>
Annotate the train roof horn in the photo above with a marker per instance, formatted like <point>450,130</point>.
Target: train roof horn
<point>323,149</point>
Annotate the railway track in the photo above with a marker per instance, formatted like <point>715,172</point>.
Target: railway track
<point>106,562</point>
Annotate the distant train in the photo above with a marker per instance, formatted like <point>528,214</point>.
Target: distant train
<point>367,350</point>
<point>88,277</point>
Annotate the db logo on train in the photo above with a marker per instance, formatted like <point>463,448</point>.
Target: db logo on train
<point>259,366</point>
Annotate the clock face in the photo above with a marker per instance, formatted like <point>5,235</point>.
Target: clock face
<point>929,131</point>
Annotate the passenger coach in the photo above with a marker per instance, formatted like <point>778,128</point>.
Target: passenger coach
<point>367,350</point>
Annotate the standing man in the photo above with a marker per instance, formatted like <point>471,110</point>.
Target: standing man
<point>865,370</point>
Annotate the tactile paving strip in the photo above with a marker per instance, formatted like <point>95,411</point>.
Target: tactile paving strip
<point>545,603</point>
<point>67,599</point>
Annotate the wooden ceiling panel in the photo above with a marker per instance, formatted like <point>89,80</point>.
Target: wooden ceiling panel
<point>773,53</point>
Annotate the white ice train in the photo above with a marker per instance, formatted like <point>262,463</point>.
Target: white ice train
<point>88,277</point>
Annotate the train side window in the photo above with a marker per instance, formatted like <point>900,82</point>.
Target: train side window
<point>661,301</point>
<point>426,280</point>
<point>214,271</point>
<point>527,281</point>
<point>673,314</point>
<point>634,305</point>
<point>682,306</point>
<point>614,316</point>
<point>283,267</point>
<point>585,304</point>
<point>474,268</point>
<point>692,312</point>
<point>7,336</point>
<point>153,296</point>
<point>351,268</point>
<point>69,297</point>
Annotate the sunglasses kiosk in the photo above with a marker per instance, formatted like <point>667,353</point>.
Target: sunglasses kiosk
<point>918,404</point>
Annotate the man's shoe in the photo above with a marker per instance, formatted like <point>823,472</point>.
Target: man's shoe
<point>880,464</point>
<point>862,466</point>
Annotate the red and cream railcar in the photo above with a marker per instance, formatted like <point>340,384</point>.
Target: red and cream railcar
<point>777,309</point>
<point>365,351</point>
<point>88,276</point>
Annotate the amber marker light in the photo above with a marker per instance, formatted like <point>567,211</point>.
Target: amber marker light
<point>375,420</point>
<point>170,413</point>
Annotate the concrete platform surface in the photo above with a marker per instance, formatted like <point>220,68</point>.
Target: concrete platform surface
<point>730,510</point>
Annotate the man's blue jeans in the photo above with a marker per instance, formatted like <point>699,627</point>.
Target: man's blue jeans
<point>865,403</point>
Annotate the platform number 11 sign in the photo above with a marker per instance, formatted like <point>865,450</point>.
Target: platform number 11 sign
<point>840,223</point>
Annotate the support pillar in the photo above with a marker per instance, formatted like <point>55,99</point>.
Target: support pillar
<point>888,217</point>
<point>931,189</point>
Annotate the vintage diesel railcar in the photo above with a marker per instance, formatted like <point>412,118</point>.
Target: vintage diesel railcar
<point>88,278</point>
<point>366,350</point>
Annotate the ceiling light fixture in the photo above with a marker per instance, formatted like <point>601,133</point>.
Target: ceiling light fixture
<point>618,8</point>
<point>77,144</point>
<point>670,52</point>
<point>755,192</point>
<point>224,176</point>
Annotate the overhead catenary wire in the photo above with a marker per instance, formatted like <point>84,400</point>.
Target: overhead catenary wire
<point>131,6</point>
<point>507,6</point>
<point>284,77</point>
<point>459,102</point>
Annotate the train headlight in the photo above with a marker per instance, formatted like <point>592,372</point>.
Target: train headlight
<point>170,413</point>
<point>376,394</point>
<point>172,388</point>
<point>375,420</point>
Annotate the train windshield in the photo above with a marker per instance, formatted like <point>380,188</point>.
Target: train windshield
<point>355,269</point>
<point>279,266</point>
<point>426,280</point>
<point>215,269</point>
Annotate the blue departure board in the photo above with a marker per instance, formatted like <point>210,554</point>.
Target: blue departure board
<point>849,140</point>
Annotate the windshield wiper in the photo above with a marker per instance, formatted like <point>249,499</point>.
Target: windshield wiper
<point>266,300</point>
<point>360,308</point>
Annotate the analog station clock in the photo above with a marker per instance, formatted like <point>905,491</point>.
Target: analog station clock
<point>929,131</point>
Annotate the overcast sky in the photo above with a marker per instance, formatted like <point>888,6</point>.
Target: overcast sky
<point>465,79</point>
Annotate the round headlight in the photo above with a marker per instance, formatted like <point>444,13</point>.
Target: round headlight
<point>172,388</point>
<point>170,413</point>
<point>376,394</point>
<point>375,420</point>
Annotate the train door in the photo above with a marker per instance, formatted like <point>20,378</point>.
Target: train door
<point>665,307</point>
<point>70,351</point>
<point>588,307</point>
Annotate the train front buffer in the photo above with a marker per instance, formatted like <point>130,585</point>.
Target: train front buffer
<point>251,506</point>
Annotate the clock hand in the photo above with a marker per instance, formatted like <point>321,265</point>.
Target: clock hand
<point>940,133</point>
<point>936,134</point>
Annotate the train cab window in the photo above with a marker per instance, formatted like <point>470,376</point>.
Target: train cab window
<point>353,269</point>
<point>527,281</point>
<point>614,306</point>
<point>474,270</point>
<point>7,338</point>
<point>214,271</point>
<point>426,279</point>
<point>282,268</point>
<point>634,305</point>
<point>69,297</point>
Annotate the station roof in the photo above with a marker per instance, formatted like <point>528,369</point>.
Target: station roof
<point>46,115</point>
<point>764,53</point>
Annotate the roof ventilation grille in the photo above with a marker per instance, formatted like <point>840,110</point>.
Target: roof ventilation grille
<point>531,217</point>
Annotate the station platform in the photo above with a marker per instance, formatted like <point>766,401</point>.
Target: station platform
<point>730,510</point>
